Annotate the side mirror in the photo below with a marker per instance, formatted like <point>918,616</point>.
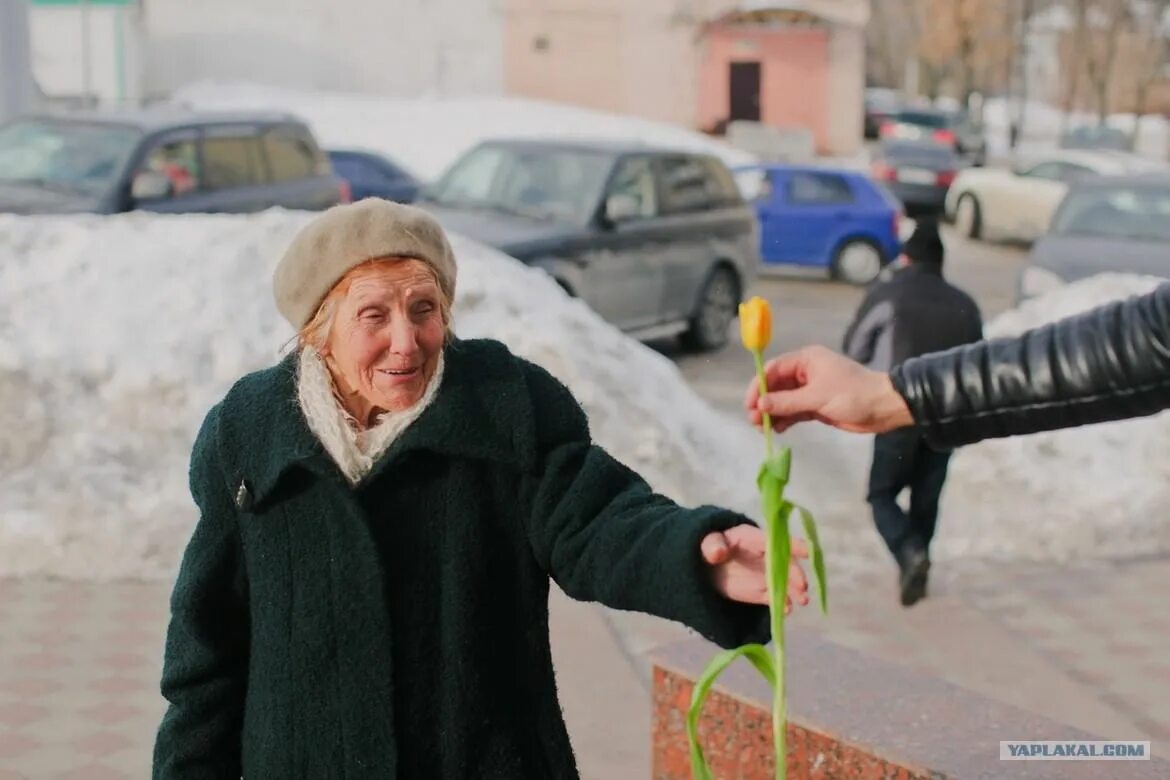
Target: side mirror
<point>151,185</point>
<point>622,208</point>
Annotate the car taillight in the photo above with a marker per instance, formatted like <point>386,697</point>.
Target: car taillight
<point>946,178</point>
<point>943,136</point>
<point>883,172</point>
<point>345,191</point>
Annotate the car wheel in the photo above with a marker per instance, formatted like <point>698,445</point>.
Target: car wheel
<point>857,262</point>
<point>718,304</point>
<point>968,216</point>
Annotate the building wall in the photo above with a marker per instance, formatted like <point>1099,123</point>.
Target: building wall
<point>393,47</point>
<point>89,53</point>
<point>614,55</point>
<point>846,93</point>
<point>665,60</point>
<point>794,77</point>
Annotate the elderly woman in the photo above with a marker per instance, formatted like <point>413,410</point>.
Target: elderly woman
<point>366,591</point>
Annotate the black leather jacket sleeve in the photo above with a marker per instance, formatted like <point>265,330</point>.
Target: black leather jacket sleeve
<point>1107,364</point>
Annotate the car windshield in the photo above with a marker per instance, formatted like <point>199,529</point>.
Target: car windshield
<point>69,156</point>
<point>542,183</point>
<point>931,119</point>
<point>1134,212</point>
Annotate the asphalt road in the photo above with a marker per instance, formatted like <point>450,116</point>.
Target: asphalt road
<point>816,311</point>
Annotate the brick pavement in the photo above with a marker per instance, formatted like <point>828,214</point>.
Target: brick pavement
<point>1082,644</point>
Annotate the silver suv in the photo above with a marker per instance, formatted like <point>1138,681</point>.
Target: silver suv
<point>659,242</point>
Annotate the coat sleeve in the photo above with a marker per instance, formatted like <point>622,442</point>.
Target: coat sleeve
<point>206,659</point>
<point>1109,363</point>
<point>868,338</point>
<point>604,536</point>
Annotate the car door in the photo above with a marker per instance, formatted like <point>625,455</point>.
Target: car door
<point>621,273</point>
<point>813,210</point>
<point>234,173</point>
<point>299,175</point>
<point>1029,205</point>
<point>175,155</point>
<point>771,210</point>
<point>694,205</point>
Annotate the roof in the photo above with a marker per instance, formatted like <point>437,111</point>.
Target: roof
<point>162,118</point>
<point>853,13</point>
<point>1157,179</point>
<point>1106,161</point>
<point>611,146</point>
<point>800,168</point>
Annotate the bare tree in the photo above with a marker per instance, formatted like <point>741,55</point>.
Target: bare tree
<point>1075,60</point>
<point>1152,54</point>
<point>1109,21</point>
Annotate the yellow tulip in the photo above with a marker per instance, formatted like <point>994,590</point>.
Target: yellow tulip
<point>755,324</point>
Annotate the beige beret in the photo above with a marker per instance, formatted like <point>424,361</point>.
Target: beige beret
<point>347,236</point>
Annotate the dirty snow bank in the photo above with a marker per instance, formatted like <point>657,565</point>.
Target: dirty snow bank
<point>1095,491</point>
<point>117,334</point>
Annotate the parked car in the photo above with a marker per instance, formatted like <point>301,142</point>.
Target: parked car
<point>658,242</point>
<point>1117,224</point>
<point>835,219</point>
<point>165,161</point>
<point>955,129</point>
<point>880,104</point>
<point>372,175</point>
<point>917,173</point>
<point>1017,204</point>
<point>1096,137</point>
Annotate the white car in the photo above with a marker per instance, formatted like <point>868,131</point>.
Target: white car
<point>1017,204</point>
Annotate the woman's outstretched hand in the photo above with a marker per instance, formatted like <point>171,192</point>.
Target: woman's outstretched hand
<point>736,558</point>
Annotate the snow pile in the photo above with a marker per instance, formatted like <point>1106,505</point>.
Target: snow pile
<point>425,135</point>
<point>1044,123</point>
<point>117,334</point>
<point>1100,490</point>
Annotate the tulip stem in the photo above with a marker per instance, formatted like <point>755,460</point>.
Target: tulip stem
<point>763,389</point>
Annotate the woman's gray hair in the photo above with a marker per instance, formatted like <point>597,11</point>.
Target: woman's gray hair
<point>317,329</point>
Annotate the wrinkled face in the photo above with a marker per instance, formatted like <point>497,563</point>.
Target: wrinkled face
<point>387,335</point>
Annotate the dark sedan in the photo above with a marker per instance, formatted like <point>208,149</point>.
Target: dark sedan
<point>1118,224</point>
<point>373,175</point>
<point>658,242</point>
<point>917,173</point>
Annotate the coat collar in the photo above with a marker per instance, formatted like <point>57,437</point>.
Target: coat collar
<point>482,411</point>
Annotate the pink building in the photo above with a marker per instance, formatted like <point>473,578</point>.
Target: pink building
<point>699,63</point>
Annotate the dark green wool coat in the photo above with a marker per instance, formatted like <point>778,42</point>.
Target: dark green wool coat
<point>399,629</point>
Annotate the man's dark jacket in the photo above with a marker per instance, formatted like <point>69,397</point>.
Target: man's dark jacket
<point>914,312</point>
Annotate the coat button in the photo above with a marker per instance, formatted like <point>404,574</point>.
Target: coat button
<point>243,497</point>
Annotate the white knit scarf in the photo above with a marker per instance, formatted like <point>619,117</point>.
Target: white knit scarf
<point>353,449</point>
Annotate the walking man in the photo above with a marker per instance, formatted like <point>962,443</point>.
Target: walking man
<point>911,313</point>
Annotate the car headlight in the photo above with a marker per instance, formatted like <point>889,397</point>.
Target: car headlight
<point>1038,281</point>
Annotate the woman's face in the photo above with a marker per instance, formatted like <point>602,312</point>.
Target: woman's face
<point>387,335</point>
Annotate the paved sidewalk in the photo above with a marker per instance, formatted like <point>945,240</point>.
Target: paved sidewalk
<point>1083,645</point>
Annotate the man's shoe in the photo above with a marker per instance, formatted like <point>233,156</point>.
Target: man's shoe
<point>915,567</point>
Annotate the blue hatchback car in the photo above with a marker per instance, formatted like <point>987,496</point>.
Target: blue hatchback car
<point>829,218</point>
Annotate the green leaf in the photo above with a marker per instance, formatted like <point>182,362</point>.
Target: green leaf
<point>771,495</point>
<point>816,553</point>
<point>777,467</point>
<point>780,551</point>
<point>758,655</point>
